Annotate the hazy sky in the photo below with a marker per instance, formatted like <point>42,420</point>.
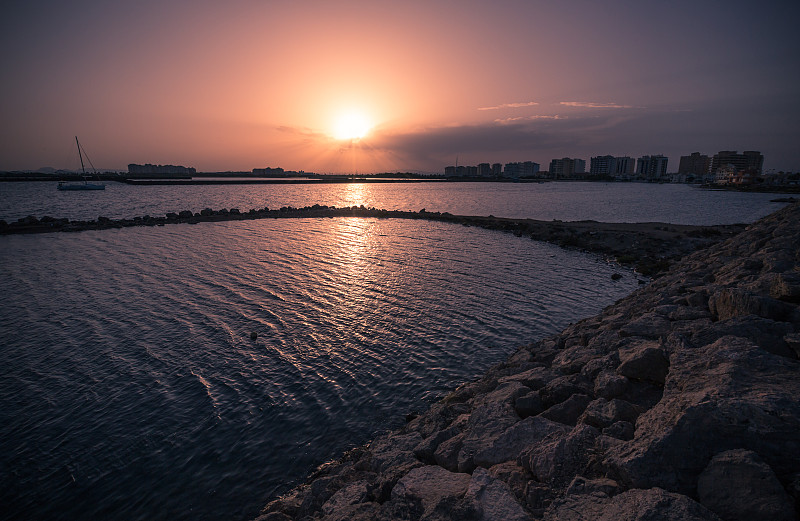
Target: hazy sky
<point>253,83</point>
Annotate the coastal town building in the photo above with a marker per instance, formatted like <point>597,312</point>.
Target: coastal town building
<point>497,169</point>
<point>523,169</point>
<point>747,160</point>
<point>611,166</point>
<point>651,167</point>
<point>567,168</point>
<point>484,170</point>
<point>148,169</point>
<point>696,164</point>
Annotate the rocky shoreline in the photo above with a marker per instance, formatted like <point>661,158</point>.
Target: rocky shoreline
<point>679,401</point>
<point>649,247</point>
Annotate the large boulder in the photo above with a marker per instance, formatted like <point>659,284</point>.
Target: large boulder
<point>738,486</point>
<point>524,434</point>
<point>493,499</point>
<point>634,505</point>
<point>726,395</point>
<point>428,491</point>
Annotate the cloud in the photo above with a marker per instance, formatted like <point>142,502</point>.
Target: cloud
<point>511,105</point>
<point>505,121</point>
<point>595,105</point>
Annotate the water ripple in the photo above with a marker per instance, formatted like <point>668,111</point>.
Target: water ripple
<point>131,387</point>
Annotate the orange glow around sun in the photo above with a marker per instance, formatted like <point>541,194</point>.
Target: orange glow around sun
<point>351,125</point>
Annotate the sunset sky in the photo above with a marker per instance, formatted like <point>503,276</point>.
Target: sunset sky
<point>247,84</point>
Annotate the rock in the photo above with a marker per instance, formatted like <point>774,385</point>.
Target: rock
<point>767,334</point>
<point>446,454</point>
<point>652,504</point>
<point>185,214</point>
<point>646,361</point>
<point>393,450</point>
<point>568,411</point>
<point>486,423</point>
<point>733,302</point>
<point>515,439</point>
<point>649,325</point>
<point>786,287</point>
<point>573,359</point>
<point>581,485</point>
<point>430,488</point>
<point>558,459</point>
<point>529,405</point>
<point>793,343</point>
<point>602,413</point>
<point>493,499</point>
<point>559,389</point>
<point>620,430</point>
<point>609,385</point>
<point>737,485</point>
<point>513,475</point>
<point>534,378</point>
<point>727,395</point>
<point>351,494</point>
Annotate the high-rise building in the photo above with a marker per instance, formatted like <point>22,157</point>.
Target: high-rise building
<point>484,170</point>
<point>497,169</point>
<point>611,166</point>
<point>566,167</point>
<point>527,168</point>
<point>602,165</point>
<point>651,167</point>
<point>751,160</point>
<point>695,164</point>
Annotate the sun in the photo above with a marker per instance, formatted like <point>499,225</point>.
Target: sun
<point>351,125</point>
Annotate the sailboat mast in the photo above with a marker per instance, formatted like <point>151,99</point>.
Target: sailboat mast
<point>80,155</point>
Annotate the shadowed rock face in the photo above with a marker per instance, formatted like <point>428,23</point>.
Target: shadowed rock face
<point>677,402</point>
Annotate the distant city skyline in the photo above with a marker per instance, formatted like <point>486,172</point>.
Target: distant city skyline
<point>382,87</point>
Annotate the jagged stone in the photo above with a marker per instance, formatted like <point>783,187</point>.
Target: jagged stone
<point>652,504</point>
<point>767,334</point>
<point>738,486</point>
<point>729,394</point>
<point>558,459</point>
<point>602,413</point>
<point>486,424</point>
<point>534,378</point>
<point>529,405</point>
<point>568,411</point>
<point>508,445</point>
<point>733,302</point>
<point>786,287</point>
<point>609,385</point>
<point>620,430</point>
<point>513,475</point>
<point>560,389</point>
<point>646,361</point>
<point>430,488</point>
<point>650,325</point>
<point>392,450</point>
<point>581,485</point>
<point>446,454</point>
<point>493,498</point>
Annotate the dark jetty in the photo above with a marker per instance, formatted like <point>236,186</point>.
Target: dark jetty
<point>649,247</point>
<point>680,401</point>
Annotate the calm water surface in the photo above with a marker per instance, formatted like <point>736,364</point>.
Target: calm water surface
<point>566,201</point>
<point>130,387</point>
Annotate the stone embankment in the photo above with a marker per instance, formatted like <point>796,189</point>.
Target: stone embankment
<point>649,247</point>
<point>677,402</point>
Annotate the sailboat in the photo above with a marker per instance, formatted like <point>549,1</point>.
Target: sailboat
<point>86,185</point>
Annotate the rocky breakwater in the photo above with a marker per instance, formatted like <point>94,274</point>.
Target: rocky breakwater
<point>649,247</point>
<point>677,402</point>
